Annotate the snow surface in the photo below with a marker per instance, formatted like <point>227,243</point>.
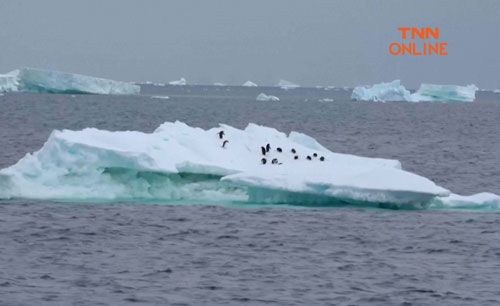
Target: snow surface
<point>249,84</point>
<point>284,84</point>
<point>263,97</point>
<point>394,91</point>
<point>46,81</point>
<point>180,82</point>
<point>178,162</point>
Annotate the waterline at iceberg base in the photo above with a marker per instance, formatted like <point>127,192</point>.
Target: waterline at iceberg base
<point>182,164</point>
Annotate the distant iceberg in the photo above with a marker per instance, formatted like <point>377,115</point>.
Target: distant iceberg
<point>263,97</point>
<point>284,84</point>
<point>326,100</point>
<point>180,82</point>
<point>219,84</point>
<point>46,81</point>
<point>394,91</point>
<point>249,84</point>
<point>160,97</point>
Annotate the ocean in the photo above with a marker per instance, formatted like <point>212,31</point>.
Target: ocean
<point>144,254</point>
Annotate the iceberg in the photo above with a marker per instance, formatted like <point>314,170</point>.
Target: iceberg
<point>179,163</point>
<point>442,93</point>
<point>249,84</point>
<point>284,84</point>
<point>483,200</point>
<point>219,84</point>
<point>394,91</point>
<point>46,81</point>
<point>263,97</point>
<point>180,82</point>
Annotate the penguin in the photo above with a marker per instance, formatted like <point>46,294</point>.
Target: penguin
<point>293,151</point>
<point>315,154</point>
<point>221,134</point>
<point>322,158</point>
<point>268,147</point>
<point>263,161</point>
<point>295,157</point>
<point>279,150</point>
<point>274,161</point>
<point>224,143</point>
<point>308,157</point>
<point>263,150</point>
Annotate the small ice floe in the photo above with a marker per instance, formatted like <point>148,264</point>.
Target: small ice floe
<point>284,84</point>
<point>249,84</point>
<point>326,100</point>
<point>263,97</point>
<point>160,97</point>
<point>180,82</point>
<point>219,84</point>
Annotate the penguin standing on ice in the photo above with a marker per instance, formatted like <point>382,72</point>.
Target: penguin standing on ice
<point>322,158</point>
<point>268,147</point>
<point>263,150</point>
<point>263,161</point>
<point>315,154</point>
<point>293,151</point>
<point>279,150</point>
<point>309,157</point>
<point>224,143</point>
<point>274,161</point>
<point>221,134</point>
<point>296,157</point>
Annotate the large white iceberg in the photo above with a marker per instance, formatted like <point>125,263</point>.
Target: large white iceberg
<point>180,82</point>
<point>263,97</point>
<point>394,91</point>
<point>284,84</point>
<point>46,81</point>
<point>249,84</point>
<point>181,163</point>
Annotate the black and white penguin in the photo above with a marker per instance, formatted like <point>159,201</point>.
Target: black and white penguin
<point>322,158</point>
<point>263,161</point>
<point>274,161</point>
<point>268,147</point>
<point>279,150</point>
<point>224,143</point>
<point>309,157</point>
<point>293,151</point>
<point>315,154</point>
<point>296,157</point>
<point>263,150</point>
<point>221,134</point>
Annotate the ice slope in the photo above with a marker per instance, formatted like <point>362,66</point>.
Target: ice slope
<point>46,81</point>
<point>394,91</point>
<point>249,84</point>
<point>263,97</point>
<point>180,82</point>
<point>181,163</point>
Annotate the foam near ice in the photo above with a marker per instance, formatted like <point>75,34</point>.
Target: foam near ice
<point>394,91</point>
<point>249,84</point>
<point>178,162</point>
<point>180,82</point>
<point>477,201</point>
<point>45,81</point>
<point>263,97</point>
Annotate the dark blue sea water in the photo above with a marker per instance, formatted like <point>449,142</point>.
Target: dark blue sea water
<point>123,253</point>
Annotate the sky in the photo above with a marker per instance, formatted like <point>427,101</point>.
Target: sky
<point>309,42</point>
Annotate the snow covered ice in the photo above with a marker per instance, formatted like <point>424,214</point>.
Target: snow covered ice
<point>181,163</point>
<point>46,81</point>
<point>263,97</point>
<point>180,82</point>
<point>394,91</point>
<point>249,84</point>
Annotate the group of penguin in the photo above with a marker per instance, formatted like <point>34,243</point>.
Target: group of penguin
<point>267,148</point>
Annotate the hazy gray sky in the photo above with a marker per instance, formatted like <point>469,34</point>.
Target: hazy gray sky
<point>308,42</point>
